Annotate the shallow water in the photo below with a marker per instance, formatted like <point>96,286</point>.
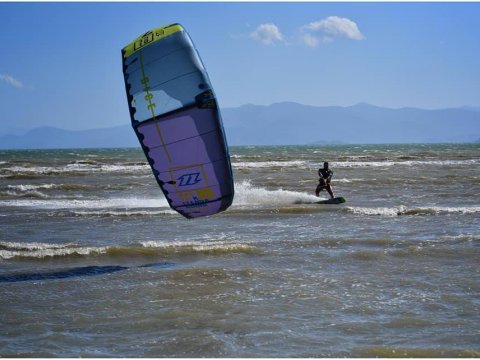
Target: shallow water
<point>93,263</point>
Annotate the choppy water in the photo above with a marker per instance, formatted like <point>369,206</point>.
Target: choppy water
<point>93,262</point>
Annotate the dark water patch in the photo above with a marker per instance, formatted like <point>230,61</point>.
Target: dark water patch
<point>28,195</point>
<point>367,255</point>
<point>436,251</point>
<point>390,352</point>
<point>82,271</point>
<point>22,176</point>
<point>63,274</point>
<point>408,157</point>
<point>315,208</point>
<point>381,242</point>
<point>409,322</point>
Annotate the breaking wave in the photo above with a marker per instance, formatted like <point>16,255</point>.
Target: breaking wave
<point>389,163</point>
<point>247,194</point>
<point>403,210</point>
<point>76,169</point>
<point>269,164</point>
<point>348,164</point>
<point>88,204</point>
<point>10,250</point>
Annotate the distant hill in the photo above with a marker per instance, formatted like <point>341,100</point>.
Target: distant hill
<point>290,123</point>
<point>53,138</point>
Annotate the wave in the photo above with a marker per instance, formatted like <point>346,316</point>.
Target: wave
<point>48,187</point>
<point>11,250</point>
<point>270,164</point>
<point>26,188</point>
<point>249,156</point>
<point>403,210</point>
<point>200,246</point>
<point>70,191</point>
<point>38,191</point>
<point>351,180</point>
<point>4,245</point>
<point>347,164</point>
<point>81,204</point>
<point>76,168</point>
<point>26,194</point>
<point>246,196</point>
<point>389,163</point>
<point>462,238</point>
<point>43,250</point>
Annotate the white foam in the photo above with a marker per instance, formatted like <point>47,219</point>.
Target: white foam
<point>462,237</point>
<point>269,164</point>
<point>403,210</point>
<point>33,187</point>
<point>389,163</point>
<point>347,181</point>
<point>246,194</point>
<point>43,253</point>
<point>384,211</point>
<point>10,250</point>
<point>349,164</point>
<point>29,190</point>
<point>32,246</point>
<point>355,164</point>
<point>74,168</point>
<point>127,203</point>
<point>124,213</point>
<point>197,245</point>
<point>461,210</point>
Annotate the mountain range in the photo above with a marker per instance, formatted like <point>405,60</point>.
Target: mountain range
<point>288,123</point>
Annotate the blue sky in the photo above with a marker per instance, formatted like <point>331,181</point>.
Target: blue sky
<point>60,63</point>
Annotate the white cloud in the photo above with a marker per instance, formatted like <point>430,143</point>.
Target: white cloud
<point>10,80</point>
<point>267,34</point>
<point>328,29</point>
<point>310,40</point>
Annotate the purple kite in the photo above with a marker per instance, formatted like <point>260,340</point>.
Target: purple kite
<point>175,115</point>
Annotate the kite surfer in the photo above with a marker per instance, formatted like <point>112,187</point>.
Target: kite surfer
<point>324,182</point>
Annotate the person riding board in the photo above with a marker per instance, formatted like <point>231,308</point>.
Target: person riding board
<point>324,181</point>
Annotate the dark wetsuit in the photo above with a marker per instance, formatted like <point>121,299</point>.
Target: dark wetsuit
<point>324,181</point>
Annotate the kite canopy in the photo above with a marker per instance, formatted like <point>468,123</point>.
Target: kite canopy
<point>175,115</point>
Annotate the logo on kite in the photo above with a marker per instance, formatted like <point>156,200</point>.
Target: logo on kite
<point>189,179</point>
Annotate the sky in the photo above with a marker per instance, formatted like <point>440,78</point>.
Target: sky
<point>60,63</point>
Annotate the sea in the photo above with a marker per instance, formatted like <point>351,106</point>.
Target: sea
<point>93,262</point>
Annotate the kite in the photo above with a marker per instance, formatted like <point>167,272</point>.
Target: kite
<point>176,118</point>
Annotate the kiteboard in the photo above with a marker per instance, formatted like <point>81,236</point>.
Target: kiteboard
<point>337,200</point>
